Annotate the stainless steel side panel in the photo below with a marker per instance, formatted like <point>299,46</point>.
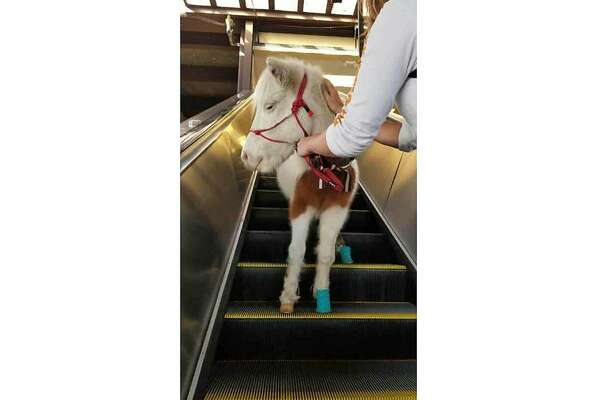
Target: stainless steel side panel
<point>215,188</point>
<point>401,206</point>
<point>378,167</point>
<point>390,178</point>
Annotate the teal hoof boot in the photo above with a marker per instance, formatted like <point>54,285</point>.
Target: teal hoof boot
<point>345,255</point>
<point>323,303</point>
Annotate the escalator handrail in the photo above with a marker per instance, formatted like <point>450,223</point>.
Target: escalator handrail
<point>210,133</point>
<point>195,127</point>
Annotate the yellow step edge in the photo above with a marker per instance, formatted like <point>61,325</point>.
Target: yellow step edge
<point>275,314</point>
<point>404,360</point>
<point>387,267</point>
<point>312,395</point>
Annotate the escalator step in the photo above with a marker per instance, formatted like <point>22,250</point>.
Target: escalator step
<point>342,310</point>
<point>367,331</point>
<point>274,218</point>
<point>272,246</point>
<point>274,198</point>
<point>310,380</point>
<point>268,183</point>
<point>349,282</point>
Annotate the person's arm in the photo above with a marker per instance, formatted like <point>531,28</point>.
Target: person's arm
<point>388,132</point>
<point>388,135</point>
<point>314,144</point>
<point>389,58</point>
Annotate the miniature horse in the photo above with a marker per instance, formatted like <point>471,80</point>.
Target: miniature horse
<point>289,105</point>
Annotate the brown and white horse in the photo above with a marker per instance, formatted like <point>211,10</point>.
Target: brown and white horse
<point>290,104</point>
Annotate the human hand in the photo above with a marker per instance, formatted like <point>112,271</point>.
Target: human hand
<point>317,143</point>
<point>333,99</point>
<point>304,146</point>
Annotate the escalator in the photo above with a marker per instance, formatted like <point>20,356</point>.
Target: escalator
<point>364,349</point>
<point>234,238</point>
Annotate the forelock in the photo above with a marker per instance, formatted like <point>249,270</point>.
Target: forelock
<point>267,87</point>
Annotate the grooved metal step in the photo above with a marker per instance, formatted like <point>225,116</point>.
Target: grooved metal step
<point>311,380</point>
<point>272,246</point>
<point>276,219</point>
<point>349,282</point>
<point>257,330</point>
<point>274,198</point>
<point>342,310</point>
<point>382,267</point>
<point>268,183</point>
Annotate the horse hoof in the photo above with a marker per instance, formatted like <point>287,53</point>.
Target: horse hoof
<point>286,308</point>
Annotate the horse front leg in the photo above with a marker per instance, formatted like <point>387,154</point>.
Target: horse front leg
<point>289,295</point>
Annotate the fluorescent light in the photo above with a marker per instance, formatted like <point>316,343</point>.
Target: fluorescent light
<point>280,48</point>
<point>315,6</point>
<point>307,40</point>
<point>229,3</point>
<point>346,7</point>
<point>286,5</point>
<point>258,4</point>
<point>199,2</point>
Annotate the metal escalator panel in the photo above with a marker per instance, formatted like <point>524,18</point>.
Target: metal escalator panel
<point>349,282</point>
<point>215,191</point>
<point>365,331</point>
<point>389,177</point>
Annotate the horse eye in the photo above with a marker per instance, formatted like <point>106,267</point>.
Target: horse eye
<point>270,107</point>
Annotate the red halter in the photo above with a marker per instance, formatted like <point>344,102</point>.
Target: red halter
<point>324,174</point>
<point>298,102</point>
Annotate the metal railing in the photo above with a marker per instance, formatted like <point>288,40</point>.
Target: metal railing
<point>195,127</point>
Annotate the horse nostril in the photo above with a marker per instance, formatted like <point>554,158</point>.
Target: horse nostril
<point>244,156</point>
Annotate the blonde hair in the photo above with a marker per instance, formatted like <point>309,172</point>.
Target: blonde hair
<point>370,10</point>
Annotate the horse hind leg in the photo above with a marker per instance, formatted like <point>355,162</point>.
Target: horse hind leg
<point>330,225</point>
<point>289,295</point>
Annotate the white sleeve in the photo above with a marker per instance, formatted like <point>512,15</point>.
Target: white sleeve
<point>406,102</point>
<point>390,56</point>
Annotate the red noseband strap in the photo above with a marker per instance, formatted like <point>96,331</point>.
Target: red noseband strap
<point>259,132</point>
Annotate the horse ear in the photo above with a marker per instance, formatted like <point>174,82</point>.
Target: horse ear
<point>280,69</point>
